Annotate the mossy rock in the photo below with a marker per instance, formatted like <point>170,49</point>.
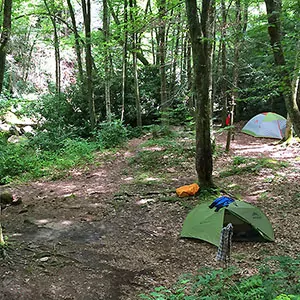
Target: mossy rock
<point>6,198</point>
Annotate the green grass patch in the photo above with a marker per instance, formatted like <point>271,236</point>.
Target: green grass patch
<point>26,161</point>
<point>242,165</point>
<point>162,153</point>
<point>277,278</point>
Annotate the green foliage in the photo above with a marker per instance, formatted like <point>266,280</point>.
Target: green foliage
<point>241,165</point>
<point>62,115</point>
<point>52,139</point>
<point>111,134</point>
<point>159,131</point>
<point>287,297</point>
<point>281,283</point>
<point>178,115</point>
<point>27,161</point>
<point>135,132</point>
<point>163,152</point>
<point>6,104</point>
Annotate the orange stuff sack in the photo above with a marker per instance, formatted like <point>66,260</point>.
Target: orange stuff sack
<point>187,190</point>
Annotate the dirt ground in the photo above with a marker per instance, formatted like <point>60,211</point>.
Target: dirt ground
<point>96,235</point>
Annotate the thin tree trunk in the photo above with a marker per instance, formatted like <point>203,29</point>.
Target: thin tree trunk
<point>201,46</point>
<point>235,75</point>
<point>191,102</point>
<point>86,9</point>
<point>224,63</point>
<point>5,35</point>
<point>186,70</point>
<point>124,64</point>
<point>56,50</point>
<point>175,51</point>
<point>162,60</point>
<point>106,61</point>
<point>135,68</point>
<point>182,58</point>
<point>27,61</point>
<point>241,26</point>
<point>216,72</point>
<point>136,86</point>
<point>77,43</point>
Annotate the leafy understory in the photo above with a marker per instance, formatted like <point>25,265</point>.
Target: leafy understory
<point>277,278</point>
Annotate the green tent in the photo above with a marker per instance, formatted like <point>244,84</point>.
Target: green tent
<point>249,223</point>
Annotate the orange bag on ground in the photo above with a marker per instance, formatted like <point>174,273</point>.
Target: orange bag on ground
<point>187,190</point>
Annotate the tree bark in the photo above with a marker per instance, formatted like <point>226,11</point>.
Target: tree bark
<point>274,30</point>
<point>175,51</point>
<point>224,63</point>
<point>162,60</point>
<point>56,50</point>
<point>5,35</point>
<point>124,63</point>
<point>200,33</point>
<point>189,78</point>
<point>106,61</point>
<point>86,9</point>
<point>132,5</point>
<point>77,43</point>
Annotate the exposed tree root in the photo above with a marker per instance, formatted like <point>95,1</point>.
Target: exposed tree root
<point>288,142</point>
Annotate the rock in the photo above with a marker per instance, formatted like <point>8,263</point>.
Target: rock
<point>16,139</point>
<point>6,198</point>
<point>14,130</point>
<point>4,127</point>
<point>13,119</point>
<point>28,129</point>
<point>44,259</point>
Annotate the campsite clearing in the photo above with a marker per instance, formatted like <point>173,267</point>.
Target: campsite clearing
<point>112,230</point>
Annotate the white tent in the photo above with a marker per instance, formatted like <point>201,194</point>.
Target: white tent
<point>268,124</point>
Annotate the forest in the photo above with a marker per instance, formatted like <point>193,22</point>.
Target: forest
<point>106,107</point>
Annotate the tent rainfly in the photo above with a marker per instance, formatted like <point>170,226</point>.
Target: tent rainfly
<point>268,124</point>
<point>249,223</point>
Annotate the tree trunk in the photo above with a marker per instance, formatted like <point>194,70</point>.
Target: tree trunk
<point>224,64</point>
<point>191,100</point>
<point>5,35</point>
<point>175,51</point>
<point>241,26</point>
<point>135,67</point>
<point>77,43</point>
<point>28,61</point>
<point>152,33</point>
<point>162,58</point>
<point>186,71</point>
<point>106,61</point>
<point>124,63</point>
<point>56,50</point>
<point>201,53</point>
<point>274,30</point>
<point>86,9</point>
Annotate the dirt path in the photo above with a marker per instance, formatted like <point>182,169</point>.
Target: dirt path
<point>95,235</point>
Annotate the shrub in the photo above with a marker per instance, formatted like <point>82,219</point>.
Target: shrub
<point>111,134</point>
<point>52,139</point>
<point>279,283</point>
<point>159,131</point>
<point>28,161</point>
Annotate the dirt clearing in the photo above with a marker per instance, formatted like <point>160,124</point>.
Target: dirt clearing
<point>101,234</point>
